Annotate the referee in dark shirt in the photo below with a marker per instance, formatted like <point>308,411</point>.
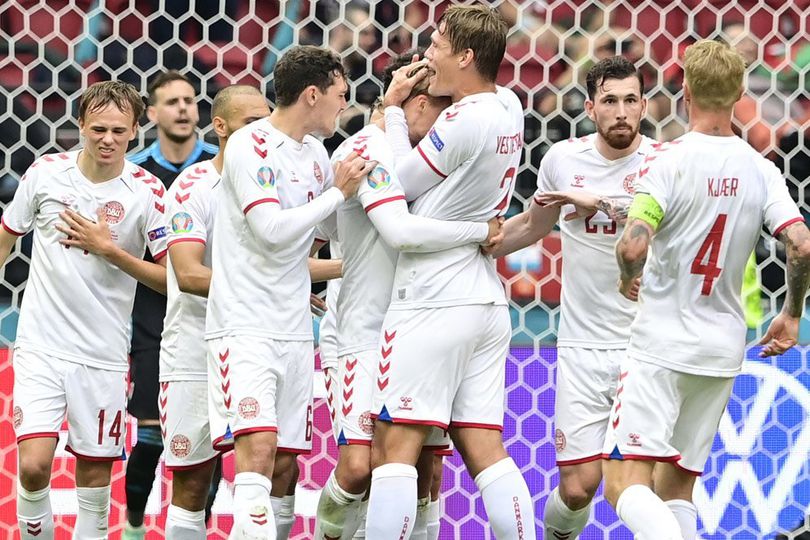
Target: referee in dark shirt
<point>173,109</point>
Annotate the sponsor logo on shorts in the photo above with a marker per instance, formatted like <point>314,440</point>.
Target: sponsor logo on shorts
<point>265,177</point>
<point>629,183</point>
<point>635,439</point>
<point>182,222</point>
<point>18,416</point>
<point>405,403</point>
<point>379,178</point>
<point>579,180</point>
<point>154,234</point>
<point>249,408</point>
<point>366,423</point>
<point>114,212</point>
<point>180,446</point>
<point>559,440</point>
<point>435,139</point>
<point>316,170</point>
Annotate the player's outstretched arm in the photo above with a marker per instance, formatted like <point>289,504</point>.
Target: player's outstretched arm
<point>324,269</point>
<point>526,228</point>
<point>94,237</point>
<point>404,231</point>
<point>7,241</point>
<point>193,276</point>
<point>586,204</point>
<point>783,332</point>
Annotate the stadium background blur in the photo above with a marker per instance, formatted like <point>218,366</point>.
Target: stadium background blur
<point>758,478</point>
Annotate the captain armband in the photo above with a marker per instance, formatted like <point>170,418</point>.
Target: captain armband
<point>647,209</point>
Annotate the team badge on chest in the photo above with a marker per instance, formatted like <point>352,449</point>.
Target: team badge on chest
<point>114,212</point>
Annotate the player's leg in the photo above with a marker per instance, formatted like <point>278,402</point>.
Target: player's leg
<point>294,411</point>
<point>340,503</point>
<point>586,385</point>
<point>190,455</point>
<point>434,518</point>
<point>243,374</point>
<point>639,433</point>
<point>213,489</point>
<point>705,400</point>
<point>96,414</point>
<point>477,424</point>
<point>39,408</point>
<point>408,407</point>
<point>424,481</point>
<point>144,456</point>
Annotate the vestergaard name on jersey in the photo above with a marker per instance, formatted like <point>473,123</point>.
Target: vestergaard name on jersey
<point>509,144</point>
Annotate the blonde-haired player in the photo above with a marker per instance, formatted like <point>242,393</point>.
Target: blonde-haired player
<point>700,203</point>
<point>183,400</point>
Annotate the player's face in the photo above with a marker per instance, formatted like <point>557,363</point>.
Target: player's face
<point>617,110</point>
<point>330,104</point>
<point>175,111</point>
<point>443,62</point>
<point>107,133</point>
<point>244,110</point>
<point>421,113</point>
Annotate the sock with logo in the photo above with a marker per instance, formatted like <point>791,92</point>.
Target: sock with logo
<point>392,504</point>
<point>252,509</point>
<point>34,514</point>
<point>561,522</point>
<point>507,501</point>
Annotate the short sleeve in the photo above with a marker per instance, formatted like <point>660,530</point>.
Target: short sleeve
<point>187,214</point>
<point>545,174</point>
<point>249,169</point>
<point>780,210</point>
<point>453,139</point>
<point>155,231</point>
<point>18,217</point>
<point>381,186</point>
<point>655,178</point>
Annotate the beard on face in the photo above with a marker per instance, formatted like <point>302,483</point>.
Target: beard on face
<point>618,140</point>
<point>179,139</point>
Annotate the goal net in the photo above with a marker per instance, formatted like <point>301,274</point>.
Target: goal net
<point>757,481</point>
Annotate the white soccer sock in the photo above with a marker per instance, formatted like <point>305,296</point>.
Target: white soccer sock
<point>507,501</point>
<point>361,517</point>
<point>284,512</point>
<point>92,521</point>
<point>182,524</point>
<point>34,515</point>
<point>646,515</point>
<point>338,514</point>
<point>686,514</point>
<point>252,511</point>
<point>434,524</point>
<point>560,521</point>
<point>392,505</point>
<point>420,525</point>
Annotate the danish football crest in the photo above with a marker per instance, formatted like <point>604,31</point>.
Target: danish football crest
<point>114,212</point>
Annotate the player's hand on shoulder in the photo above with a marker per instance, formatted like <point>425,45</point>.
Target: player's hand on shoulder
<point>630,289</point>
<point>403,81</point>
<point>85,234</point>
<point>782,334</point>
<point>350,172</point>
<point>494,236</point>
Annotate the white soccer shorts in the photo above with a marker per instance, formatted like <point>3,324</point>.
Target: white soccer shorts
<point>261,384</point>
<point>46,389</point>
<point>443,366</point>
<point>183,407</point>
<point>586,386</point>
<point>665,415</point>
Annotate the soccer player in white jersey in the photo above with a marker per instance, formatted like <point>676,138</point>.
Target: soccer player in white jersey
<point>372,229</point>
<point>597,174</point>
<point>93,215</point>
<point>183,401</point>
<point>258,325</point>
<point>700,204</point>
<point>446,334</point>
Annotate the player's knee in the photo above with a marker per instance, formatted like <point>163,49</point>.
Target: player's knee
<point>355,472</point>
<point>34,473</point>
<point>190,490</point>
<point>576,495</point>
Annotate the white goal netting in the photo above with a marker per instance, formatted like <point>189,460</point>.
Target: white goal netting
<point>757,482</point>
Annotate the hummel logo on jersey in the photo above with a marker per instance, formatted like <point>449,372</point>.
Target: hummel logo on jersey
<point>435,139</point>
<point>579,180</point>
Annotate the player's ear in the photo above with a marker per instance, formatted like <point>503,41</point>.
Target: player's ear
<point>466,58</point>
<point>643,106</point>
<point>151,113</point>
<point>311,94</point>
<point>589,108</point>
<point>220,126</point>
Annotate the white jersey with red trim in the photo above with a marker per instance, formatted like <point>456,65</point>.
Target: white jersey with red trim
<point>78,306</point>
<point>368,262</point>
<point>256,289</point>
<point>592,313</point>
<point>475,146</point>
<point>716,193</point>
<point>191,204</point>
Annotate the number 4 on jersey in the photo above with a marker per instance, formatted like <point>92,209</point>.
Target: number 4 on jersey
<point>710,248</point>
